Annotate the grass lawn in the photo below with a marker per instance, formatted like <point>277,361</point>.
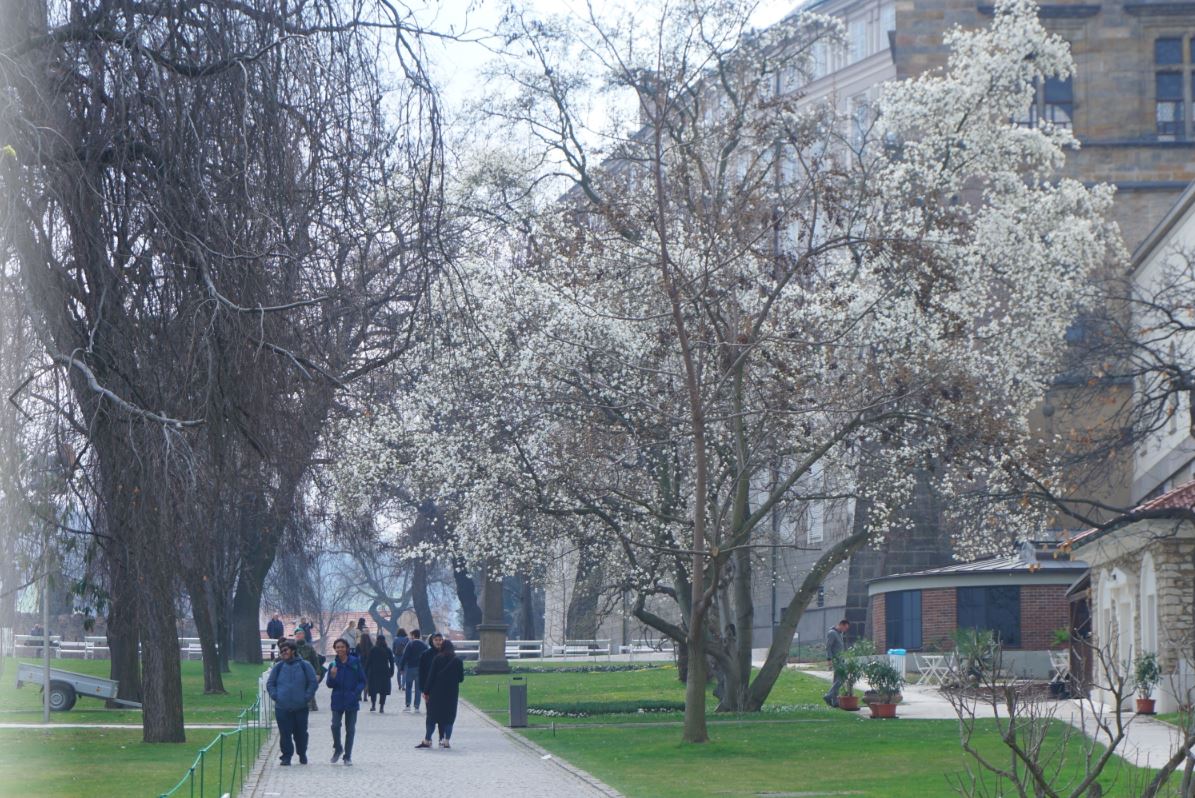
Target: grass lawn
<point>24,705</point>
<point>797,745</point>
<point>68,763</point>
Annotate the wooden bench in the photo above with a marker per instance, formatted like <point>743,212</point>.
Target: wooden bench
<point>97,647</point>
<point>33,644</point>
<point>583,648</point>
<point>661,646</point>
<point>518,649</point>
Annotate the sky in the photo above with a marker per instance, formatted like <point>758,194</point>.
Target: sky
<point>458,66</point>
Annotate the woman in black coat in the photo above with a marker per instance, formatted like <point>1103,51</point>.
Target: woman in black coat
<point>443,690</point>
<point>379,668</point>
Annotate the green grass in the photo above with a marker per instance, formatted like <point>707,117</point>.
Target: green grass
<point>24,705</point>
<point>796,745</point>
<point>68,763</point>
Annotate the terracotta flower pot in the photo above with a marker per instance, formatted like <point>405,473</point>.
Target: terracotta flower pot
<point>883,710</point>
<point>1145,706</point>
<point>848,702</point>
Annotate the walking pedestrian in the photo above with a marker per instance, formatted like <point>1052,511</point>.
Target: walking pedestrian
<point>379,667</point>
<point>345,678</point>
<point>410,668</point>
<point>435,642</point>
<point>291,684</point>
<point>351,635</point>
<point>400,645</point>
<point>305,651</point>
<point>442,694</point>
<point>835,645</point>
<point>364,647</point>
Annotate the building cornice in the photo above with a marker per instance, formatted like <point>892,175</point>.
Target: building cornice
<point>1171,9</point>
<point>1051,11</point>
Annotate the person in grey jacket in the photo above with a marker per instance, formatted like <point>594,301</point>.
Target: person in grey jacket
<point>292,683</point>
<point>835,645</point>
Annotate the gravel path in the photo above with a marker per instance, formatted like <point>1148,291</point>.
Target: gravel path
<point>485,761</point>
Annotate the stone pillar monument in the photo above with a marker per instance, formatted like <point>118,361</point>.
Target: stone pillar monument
<point>491,630</point>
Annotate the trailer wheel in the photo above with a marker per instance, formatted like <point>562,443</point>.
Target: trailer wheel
<point>62,696</point>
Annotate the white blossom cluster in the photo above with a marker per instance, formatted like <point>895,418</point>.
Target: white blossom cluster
<point>877,313</point>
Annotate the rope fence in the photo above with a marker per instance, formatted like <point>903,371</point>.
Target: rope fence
<point>221,767</point>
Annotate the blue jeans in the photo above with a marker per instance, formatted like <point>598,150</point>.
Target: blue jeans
<point>410,680</point>
<point>292,731</point>
<point>350,730</point>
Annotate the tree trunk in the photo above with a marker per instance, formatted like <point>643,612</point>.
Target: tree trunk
<point>162,718</point>
<point>423,609</point>
<point>466,592</point>
<point>246,603</point>
<point>527,609</point>
<point>124,667</point>
<point>197,588</point>
<point>581,621</point>
<point>777,656</point>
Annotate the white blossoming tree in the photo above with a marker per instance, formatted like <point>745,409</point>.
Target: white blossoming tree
<point>739,310</point>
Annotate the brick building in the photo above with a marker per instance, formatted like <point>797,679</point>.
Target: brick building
<point>1021,597</point>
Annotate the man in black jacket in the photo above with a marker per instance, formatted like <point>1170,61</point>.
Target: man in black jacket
<point>408,663</point>
<point>425,667</point>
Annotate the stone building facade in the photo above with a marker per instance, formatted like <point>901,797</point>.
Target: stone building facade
<point>1142,595</point>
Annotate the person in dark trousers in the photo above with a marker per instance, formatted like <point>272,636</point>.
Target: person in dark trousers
<point>435,642</point>
<point>345,679</point>
<point>442,692</point>
<point>364,646</point>
<point>274,629</point>
<point>835,645</point>
<point>292,683</point>
<point>400,645</point>
<point>410,668</point>
<point>305,651</point>
<point>379,668</point>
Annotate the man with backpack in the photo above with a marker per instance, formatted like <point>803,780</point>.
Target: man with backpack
<point>292,683</point>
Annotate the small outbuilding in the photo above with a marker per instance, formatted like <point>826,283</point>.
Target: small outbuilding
<point>1020,597</point>
<point>1142,592</point>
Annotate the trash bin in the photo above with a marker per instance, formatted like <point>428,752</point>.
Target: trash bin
<point>896,658</point>
<point>518,703</point>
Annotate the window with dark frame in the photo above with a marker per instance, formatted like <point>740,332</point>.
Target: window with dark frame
<point>996,608</point>
<point>1053,104</point>
<point>1172,86</point>
<point>902,619</point>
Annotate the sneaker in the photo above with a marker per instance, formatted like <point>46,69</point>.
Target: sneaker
<point>382,711</point>
<point>302,759</point>
<point>406,709</point>
<point>444,744</point>
<point>348,763</point>
<point>373,709</point>
<point>424,744</point>
<point>285,763</point>
<point>828,700</point>
<point>417,712</point>
<point>335,757</point>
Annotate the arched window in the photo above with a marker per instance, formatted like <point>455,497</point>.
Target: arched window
<point>1149,605</point>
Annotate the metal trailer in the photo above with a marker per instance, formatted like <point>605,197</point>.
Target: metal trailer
<point>67,686</point>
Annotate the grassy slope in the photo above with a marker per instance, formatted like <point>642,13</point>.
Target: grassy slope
<point>800,745</point>
<point>24,705</point>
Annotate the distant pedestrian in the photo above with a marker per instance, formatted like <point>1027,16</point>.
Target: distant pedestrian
<point>306,652</point>
<point>345,678</point>
<point>409,663</point>
<point>400,645</point>
<point>442,694</point>
<point>306,626</point>
<point>292,683</point>
<point>275,629</point>
<point>351,635</point>
<point>835,645</point>
<point>435,643</point>
<point>379,668</point>
<point>364,646</point>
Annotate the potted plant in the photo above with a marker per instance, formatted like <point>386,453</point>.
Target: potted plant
<point>1146,674</point>
<point>848,668</point>
<point>886,681</point>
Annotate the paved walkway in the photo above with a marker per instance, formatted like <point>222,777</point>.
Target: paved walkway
<point>485,761</point>
<point>1148,742</point>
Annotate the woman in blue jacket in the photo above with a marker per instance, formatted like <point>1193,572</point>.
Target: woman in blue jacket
<point>345,678</point>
